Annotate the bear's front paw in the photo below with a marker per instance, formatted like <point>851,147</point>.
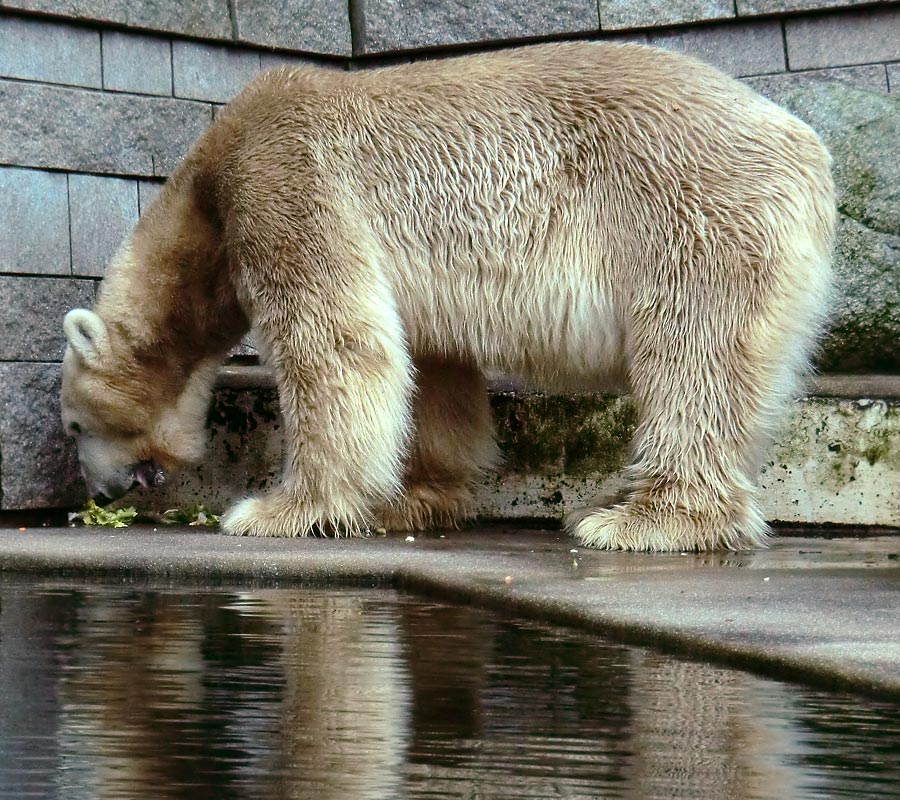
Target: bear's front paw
<point>279,514</point>
<point>634,526</point>
<point>251,517</point>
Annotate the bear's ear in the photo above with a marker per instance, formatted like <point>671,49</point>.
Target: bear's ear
<point>87,336</point>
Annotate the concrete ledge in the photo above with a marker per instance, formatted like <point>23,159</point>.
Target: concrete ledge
<point>885,387</point>
<point>246,377</point>
<point>822,611</point>
<point>848,386</point>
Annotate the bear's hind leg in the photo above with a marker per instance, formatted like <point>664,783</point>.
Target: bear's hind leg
<point>453,443</point>
<point>708,377</point>
<point>689,489</point>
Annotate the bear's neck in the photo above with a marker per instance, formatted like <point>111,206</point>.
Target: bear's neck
<point>169,296</point>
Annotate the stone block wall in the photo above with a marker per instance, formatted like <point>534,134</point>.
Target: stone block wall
<point>99,100</point>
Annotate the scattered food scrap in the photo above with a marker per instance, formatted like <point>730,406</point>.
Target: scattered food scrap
<point>199,516</point>
<point>94,515</point>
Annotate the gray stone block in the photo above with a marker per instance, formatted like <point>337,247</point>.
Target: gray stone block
<point>836,40</point>
<point>893,78</point>
<point>864,327</point>
<point>135,63</point>
<point>392,25</point>
<point>392,61</point>
<point>619,14</point>
<point>273,60</point>
<point>751,7</point>
<point>624,37</point>
<point>31,315</point>
<point>147,192</point>
<point>311,26</point>
<point>211,72</point>
<point>34,234</point>
<point>103,211</point>
<point>38,464</point>
<point>870,77</point>
<point>862,131</point>
<point>73,129</point>
<point>246,349</point>
<point>745,49</point>
<point>205,18</point>
<point>46,51</point>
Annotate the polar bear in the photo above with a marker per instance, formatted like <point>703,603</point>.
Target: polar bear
<point>578,214</point>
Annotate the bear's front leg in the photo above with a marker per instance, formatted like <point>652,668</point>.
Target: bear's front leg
<point>345,385</point>
<point>346,432</point>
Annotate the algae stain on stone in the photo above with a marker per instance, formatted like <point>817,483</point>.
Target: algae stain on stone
<point>241,412</point>
<point>879,434</point>
<point>879,450</point>
<point>836,445</point>
<point>857,194</point>
<point>574,436</point>
<point>235,416</point>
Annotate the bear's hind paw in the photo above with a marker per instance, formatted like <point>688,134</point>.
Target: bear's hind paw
<point>629,527</point>
<point>424,507</point>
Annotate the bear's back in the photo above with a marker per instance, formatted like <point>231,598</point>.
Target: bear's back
<point>586,108</point>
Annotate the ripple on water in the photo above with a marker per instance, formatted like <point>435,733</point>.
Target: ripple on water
<point>133,691</point>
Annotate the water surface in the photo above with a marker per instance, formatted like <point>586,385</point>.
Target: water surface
<point>139,691</point>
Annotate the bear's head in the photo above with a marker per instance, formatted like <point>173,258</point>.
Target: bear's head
<point>132,421</point>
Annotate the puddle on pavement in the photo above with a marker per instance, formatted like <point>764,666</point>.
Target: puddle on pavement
<point>130,691</point>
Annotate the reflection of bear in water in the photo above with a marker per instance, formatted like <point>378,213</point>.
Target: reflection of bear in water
<point>576,214</point>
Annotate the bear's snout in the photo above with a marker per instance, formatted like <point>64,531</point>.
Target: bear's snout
<point>148,474</point>
<point>144,474</point>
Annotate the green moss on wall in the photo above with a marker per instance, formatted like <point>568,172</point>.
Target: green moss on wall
<point>236,414</point>
<point>857,194</point>
<point>568,435</point>
<point>858,434</point>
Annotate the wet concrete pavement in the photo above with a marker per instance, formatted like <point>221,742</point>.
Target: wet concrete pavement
<point>820,610</point>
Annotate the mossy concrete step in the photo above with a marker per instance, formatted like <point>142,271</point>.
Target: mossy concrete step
<point>836,461</point>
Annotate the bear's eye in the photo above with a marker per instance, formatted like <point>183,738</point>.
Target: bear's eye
<point>74,429</point>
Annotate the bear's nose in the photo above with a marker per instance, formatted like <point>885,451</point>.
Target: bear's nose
<point>149,474</point>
